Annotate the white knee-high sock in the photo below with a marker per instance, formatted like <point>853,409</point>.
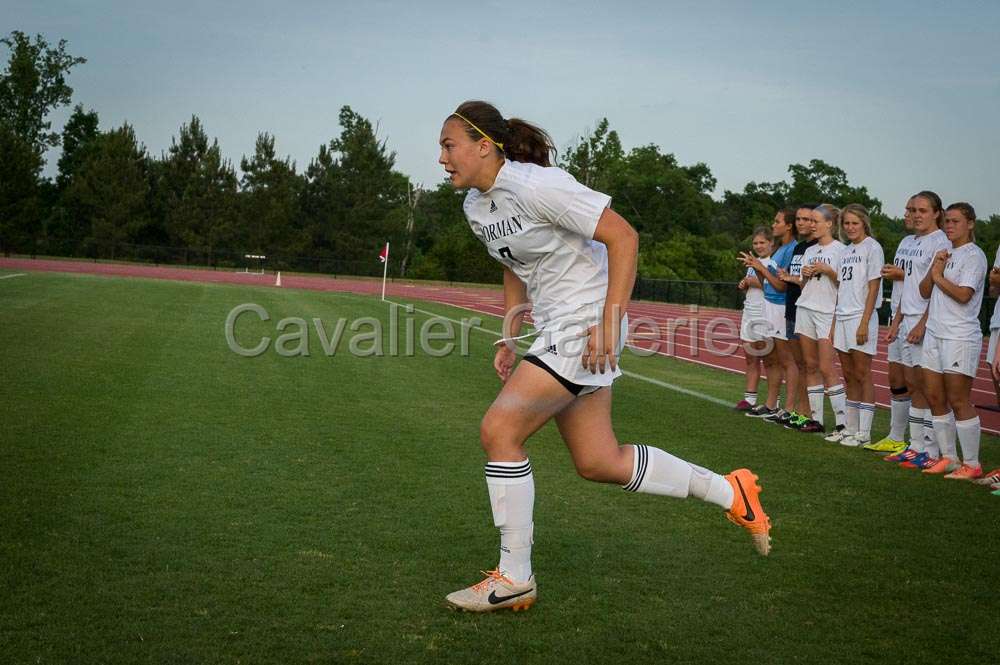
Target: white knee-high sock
<point>968,436</point>
<point>866,413</point>
<point>944,436</point>
<point>655,471</point>
<point>931,448</point>
<point>900,412</point>
<point>917,441</point>
<point>853,417</point>
<point>815,402</point>
<point>838,400</point>
<point>512,498</point>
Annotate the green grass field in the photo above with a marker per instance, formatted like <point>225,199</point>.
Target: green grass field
<point>163,499</point>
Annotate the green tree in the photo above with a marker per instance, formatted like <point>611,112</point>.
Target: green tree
<point>353,199</point>
<point>78,138</point>
<point>270,190</point>
<point>199,190</point>
<point>32,84</point>
<point>111,188</point>
<point>596,159</point>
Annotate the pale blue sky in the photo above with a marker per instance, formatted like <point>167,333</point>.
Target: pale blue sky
<point>903,95</point>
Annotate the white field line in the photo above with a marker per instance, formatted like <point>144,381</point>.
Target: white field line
<point>17,274</point>
<point>634,375</point>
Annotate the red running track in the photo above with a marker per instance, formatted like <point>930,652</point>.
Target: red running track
<point>690,341</point>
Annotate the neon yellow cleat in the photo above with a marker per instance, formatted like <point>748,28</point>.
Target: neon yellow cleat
<point>886,445</point>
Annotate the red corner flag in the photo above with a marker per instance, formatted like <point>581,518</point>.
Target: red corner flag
<point>383,256</point>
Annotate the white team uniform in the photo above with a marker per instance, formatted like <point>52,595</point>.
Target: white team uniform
<point>954,340</point>
<point>816,305</point>
<point>539,222</point>
<point>895,349</point>
<point>754,326</point>
<point>860,263</point>
<point>917,258</point>
<point>991,352</point>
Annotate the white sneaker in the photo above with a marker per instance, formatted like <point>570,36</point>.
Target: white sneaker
<point>496,592</point>
<point>836,435</point>
<point>855,440</point>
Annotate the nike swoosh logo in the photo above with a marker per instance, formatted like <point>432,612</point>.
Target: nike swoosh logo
<point>494,599</point>
<point>746,504</point>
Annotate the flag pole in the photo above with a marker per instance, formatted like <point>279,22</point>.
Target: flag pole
<point>385,270</point>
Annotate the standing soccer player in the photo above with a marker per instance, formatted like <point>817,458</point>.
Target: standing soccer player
<point>798,408</point>
<point>783,230</point>
<point>953,343</point>
<point>572,259</point>
<point>899,413</point>
<point>856,321</point>
<point>814,320</point>
<point>910,323</point>
<point>753,325</point>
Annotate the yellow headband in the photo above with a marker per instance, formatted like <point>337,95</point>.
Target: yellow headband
<point>485,135</point>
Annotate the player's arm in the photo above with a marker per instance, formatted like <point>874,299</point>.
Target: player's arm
<point>515,297</point>
<point>995,282</point>
<point>927,283</point>
<point>893,273</point>
<point>515,293</point>
<point>622,242</point>
<point>763,272</point>
<point>961,294</point>
<point>874,290</point>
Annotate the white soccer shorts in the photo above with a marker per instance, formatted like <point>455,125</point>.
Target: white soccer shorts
<point>951,356</point>
<point>991,350</point>
<point>754,327</point>
<point>910,355</point>
<point>561,348</point>
<point>775,315</point>
<point>845,335</point>
<point>813,324</point>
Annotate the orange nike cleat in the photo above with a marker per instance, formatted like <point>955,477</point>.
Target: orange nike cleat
<point>966,472</point>
<point>746,510</point>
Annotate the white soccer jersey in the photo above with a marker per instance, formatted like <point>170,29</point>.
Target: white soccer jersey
<point>540,223</point>
<point>917,259</point>
<point>754,301</point>
<point>860,263</point>
<point>899,260</point>
<point>995,320</point>
<point>819,293</point>
<point>949,319</point>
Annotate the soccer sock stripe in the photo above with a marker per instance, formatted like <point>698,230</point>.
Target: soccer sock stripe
<point>507,469</point>
<point>638,467</point>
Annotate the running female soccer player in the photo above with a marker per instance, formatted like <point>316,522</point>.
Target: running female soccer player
<point>910,324</point>
<point>814,320</point>
<point>953,343</point>
<point>899,412</point>
<point>573,259</point>
<point>856,321</point>
<point>753,324</point>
